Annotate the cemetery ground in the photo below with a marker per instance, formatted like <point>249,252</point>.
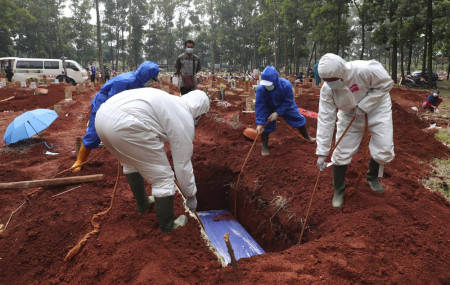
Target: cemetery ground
<point>401,236</point>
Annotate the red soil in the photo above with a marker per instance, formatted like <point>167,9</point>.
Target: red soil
<point>400,236</point>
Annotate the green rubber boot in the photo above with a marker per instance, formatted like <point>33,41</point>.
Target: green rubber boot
<point>304,132</point>
<point>372,177</point>
<point>265,143</point>
<point>143,201</point>
<point>339,172</point>
<point>165,214</point>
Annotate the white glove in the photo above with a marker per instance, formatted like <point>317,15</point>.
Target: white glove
<point>359,112</point>
<point>191,203</point>
<point>321,164</point>
<point>259,129</point>
<point>273,117</point>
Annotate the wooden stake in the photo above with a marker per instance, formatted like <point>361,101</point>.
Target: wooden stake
<point>226,237</point>
<point>51,182</point>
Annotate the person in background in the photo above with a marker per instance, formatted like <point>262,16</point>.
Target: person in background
<point>274,97</point>
<point>106,73</point>
<point>92,72</point>
<point>187,66</point>
<point>133,126</point>
<point>9,71</point>
<point>316,73</point>
<point>353,90</point>
<point>432,102</point>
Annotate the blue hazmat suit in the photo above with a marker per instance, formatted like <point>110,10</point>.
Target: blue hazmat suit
<point>117,84</point>
<point>280,100</point>
<point>316,73</point>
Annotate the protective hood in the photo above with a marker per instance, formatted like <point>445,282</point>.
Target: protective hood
<point>331,65</point>
<point>197,102</point>
<point>270,74</point>
<point>146,71</point>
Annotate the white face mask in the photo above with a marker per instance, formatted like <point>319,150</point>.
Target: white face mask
<point>148,82</point>
<point>335,84</point>
<point>435,94</point>
<point>189,50</point>
<point>270,88</point>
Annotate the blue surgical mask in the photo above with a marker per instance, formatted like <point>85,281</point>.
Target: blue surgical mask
<point>189,50</point>
<point>270,87</point>
<point>335,84</point>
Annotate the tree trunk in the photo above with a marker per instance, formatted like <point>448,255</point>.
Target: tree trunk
<point>402,58</point>
<point>337,30</point>
<point>430,42</point>
<point>212,41</point>
<point>394,59</point>
<point>448,67</point>
<point>424,59</point>
<point>410,47</point>
<point>99,36</point>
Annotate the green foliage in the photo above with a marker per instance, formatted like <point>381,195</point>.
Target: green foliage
<point>439,180</point>
<point>244,34</point>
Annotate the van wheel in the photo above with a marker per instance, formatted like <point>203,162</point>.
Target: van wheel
<point>71,81</point>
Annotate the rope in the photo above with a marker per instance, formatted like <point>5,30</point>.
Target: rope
<point>318,179</point>
<point>94,223</point>
<point>240,172</point>
<point>294,133</point>
<point>195,211</point>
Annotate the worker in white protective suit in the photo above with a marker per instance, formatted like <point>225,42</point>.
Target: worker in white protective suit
<point>133,125</point>
<point>351,89</point>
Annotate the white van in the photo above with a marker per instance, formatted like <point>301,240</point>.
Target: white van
<point>24,68</point>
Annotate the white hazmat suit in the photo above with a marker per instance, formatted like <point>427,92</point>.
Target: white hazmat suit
<point>365,85</point>
<point>133,125</point>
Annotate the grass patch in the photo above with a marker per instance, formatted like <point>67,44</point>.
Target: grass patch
<point>440,178</point>
<point>444,136</point>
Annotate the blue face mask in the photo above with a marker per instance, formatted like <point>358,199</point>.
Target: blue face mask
<point>189,50</point>
<point>335,84</point>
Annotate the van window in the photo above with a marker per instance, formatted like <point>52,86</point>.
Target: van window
<point>27,64</point>
<point>71,66</point>
<point>51,64</point>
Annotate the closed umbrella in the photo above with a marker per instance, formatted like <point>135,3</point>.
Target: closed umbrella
<point>29,124</point>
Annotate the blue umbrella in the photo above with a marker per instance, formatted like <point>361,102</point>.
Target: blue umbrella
<point>29,124</point>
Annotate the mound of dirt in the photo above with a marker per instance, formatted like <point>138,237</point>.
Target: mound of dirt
<point>400,236</point>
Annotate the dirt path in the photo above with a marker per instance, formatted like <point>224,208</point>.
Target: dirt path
<point>400,236</point>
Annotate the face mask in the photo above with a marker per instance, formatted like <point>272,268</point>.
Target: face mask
<point>435,94</point>
<point>270,88</point>
<point>335,84</point>
<point>189,50</point>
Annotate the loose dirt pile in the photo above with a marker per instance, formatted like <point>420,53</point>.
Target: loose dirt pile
<point>400,236</point>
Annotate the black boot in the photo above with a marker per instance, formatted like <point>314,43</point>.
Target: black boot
<point>304,131</point>
<point>165,214</point>
<point>372,176</point>
<point>339,172</point>
<point>265,143</point>
<point>143,201</point>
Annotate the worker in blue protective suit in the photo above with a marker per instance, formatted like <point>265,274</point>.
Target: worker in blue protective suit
<point>275,97</point>
<point>142,77</point>
<point>316,73</point>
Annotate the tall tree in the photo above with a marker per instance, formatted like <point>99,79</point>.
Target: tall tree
<point>430,42</point>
